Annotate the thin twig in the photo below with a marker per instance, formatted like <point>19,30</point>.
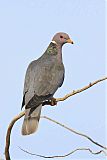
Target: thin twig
<point>72,130</point>
<point>23,113</point>
<point>66,155</point>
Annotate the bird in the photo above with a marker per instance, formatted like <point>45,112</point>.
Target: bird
<point>43,77</point>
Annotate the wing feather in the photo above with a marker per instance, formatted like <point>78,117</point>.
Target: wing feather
<point>42,79</point>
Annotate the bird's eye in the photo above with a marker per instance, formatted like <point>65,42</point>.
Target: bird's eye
<point>61,37</point>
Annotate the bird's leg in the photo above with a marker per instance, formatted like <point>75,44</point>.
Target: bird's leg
<point>53,101</point>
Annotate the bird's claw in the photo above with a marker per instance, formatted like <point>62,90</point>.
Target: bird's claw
<point>53,102</point>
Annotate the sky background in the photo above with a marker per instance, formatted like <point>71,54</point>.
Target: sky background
<point>26,29</point>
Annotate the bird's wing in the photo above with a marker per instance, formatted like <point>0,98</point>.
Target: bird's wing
<point>27,82</point>
<point>41,81</point>
<point>62,79</point>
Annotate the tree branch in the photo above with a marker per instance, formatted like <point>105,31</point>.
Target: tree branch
<point>7,155</point>
<point>57,99</point>
<point>81,89</point>
<point>73,131</point>
<point>66,155</point>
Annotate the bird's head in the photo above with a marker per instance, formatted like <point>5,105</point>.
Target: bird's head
<point>61,38</point>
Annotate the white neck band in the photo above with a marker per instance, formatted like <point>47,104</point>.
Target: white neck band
<point>54,42</point>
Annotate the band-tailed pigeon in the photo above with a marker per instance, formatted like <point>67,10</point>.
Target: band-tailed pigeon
<point>43,77</point>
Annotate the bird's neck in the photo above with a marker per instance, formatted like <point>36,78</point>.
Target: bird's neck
<point>59,54</point>
<point>54,52</point>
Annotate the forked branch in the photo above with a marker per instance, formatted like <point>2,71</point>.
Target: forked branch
<point>74,92</point>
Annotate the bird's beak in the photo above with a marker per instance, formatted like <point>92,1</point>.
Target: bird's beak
<point>70,41</point>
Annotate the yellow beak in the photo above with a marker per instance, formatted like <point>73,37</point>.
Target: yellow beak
<point>70,41</point>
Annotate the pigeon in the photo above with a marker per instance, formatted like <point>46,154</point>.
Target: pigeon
<point>43,77</point>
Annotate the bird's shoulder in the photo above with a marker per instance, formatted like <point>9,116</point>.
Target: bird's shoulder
<point>32,65</point>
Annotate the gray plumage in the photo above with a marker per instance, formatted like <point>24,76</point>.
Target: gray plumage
<point>43,77</point>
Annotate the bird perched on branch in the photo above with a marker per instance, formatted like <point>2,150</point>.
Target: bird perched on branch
<point>43,77</point>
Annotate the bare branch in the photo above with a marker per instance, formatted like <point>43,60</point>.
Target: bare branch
<point>9,133</point>
<point>72,130</point>
<point>47,103</point>
<point>80,90</point>
<point>66,155</point>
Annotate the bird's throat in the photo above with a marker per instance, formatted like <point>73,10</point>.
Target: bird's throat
<point>59,55</point>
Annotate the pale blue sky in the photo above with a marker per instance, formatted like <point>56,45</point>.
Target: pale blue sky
<point>26,28</point>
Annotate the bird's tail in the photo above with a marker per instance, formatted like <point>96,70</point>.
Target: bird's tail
<point>31,120</point>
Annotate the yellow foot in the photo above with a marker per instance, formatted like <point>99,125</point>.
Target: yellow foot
<point>53,101</point>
